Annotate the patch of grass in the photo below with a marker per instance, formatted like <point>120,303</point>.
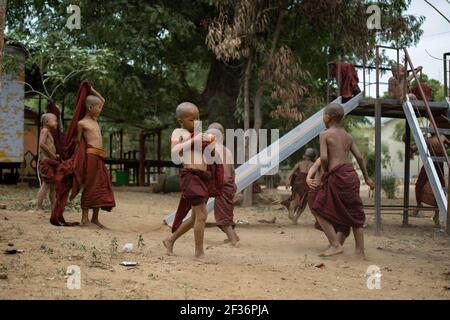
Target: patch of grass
<point>46,249</point>
<point>141,243</point>
<point>113,247</point>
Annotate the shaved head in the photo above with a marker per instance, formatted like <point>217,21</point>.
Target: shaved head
<point>46,116</point>
<point>92,100</point>
<point>335,111</point>
<point>217,126</point>
<point>184,109</point>
<point>311,154</point>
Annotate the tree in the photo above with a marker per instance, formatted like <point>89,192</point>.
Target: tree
<point>2,31</point>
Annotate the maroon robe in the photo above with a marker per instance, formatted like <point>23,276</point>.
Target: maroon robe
<point>347,79</point>
<point>338,200</point>
<point>97,187</point>
<point>194,191</point>
<point>224,204</point>
<point>47,170</point>
<point>69,175</point>
<point>423,194</point>
<point>299,190</point>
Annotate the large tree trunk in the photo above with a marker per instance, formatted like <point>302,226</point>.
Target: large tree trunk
<point>248,192</point>
<point>2,30</point>
<point>259,92</point>
<point>221,92</point>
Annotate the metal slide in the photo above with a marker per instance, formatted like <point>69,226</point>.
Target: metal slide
<point>269,159</point>
<point>427,160</point>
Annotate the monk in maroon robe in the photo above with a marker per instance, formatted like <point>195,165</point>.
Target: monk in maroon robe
<point>298,200</point>
<point>347,79</point>
<point>84,168</point>
<point>337,204</point>
<point>198,180</point>
<point>423,191</point>
<point>224,203</point>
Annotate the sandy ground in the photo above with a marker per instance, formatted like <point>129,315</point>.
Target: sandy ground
<point>274,261</point>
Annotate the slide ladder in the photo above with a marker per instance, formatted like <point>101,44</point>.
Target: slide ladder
<point>426,156</point>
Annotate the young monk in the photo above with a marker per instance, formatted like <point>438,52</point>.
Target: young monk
<point>194,178</point>
<point>396,83</point>
<point>224,204</point>
<point>298,200</point>
<point>97,190</point>
<point>48,160</point>
<point>313,179</point>
<point>423,191</point>
<point>338,204</point>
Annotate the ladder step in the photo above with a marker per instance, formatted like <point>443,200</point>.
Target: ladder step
<point>431,130</point>
<point>437,159</point>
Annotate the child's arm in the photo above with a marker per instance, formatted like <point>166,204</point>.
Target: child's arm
<point>42,139</point>
<point>182,140</point>
<point>411,76</point>
<point>323,151</point>
<point>362,165</point>
<point>98,95</point>
<point>310,181</point>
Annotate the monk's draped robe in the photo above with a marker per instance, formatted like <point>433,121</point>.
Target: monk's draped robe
<point>82,166</point>
<point>426,90</point>
<point>338,200</point>
<point>224,204</point>
<point>347,79</point>
<point>97,187</point>
<point>47,170</point>
<point>424,193</point>
<point>299,191</point>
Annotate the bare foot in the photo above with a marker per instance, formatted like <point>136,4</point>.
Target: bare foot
<point>199,255</point>
<point>235,244</point>
<point>332,251</point>
<point>226,241</point>
<point>359,255</point>
<point>85,223</point>
<point>98,224</point>
<point>169,246</point>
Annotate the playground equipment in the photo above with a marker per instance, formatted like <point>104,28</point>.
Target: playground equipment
<point>378,107</point>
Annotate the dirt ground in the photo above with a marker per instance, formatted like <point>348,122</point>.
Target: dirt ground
<point>274,261</point>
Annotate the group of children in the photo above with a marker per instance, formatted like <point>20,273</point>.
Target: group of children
<point>331,181</point>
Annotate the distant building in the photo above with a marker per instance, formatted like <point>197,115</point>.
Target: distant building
<point>396,149</point>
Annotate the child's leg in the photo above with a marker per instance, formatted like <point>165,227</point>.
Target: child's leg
<point>182,229</point>
<point>85,216</point>
<point>235,234</point>
<point>41,195</point>
<point>230,234</point>
<point>95,220</point>
<point>341,237</point>
<point>359,241</point>
<point>199,228</point>
<point>437,224</point>
<point>328,229</point>
<point>52,196</point>
<point>298,214</point>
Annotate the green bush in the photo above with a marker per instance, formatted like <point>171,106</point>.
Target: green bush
<point>388,184</point>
